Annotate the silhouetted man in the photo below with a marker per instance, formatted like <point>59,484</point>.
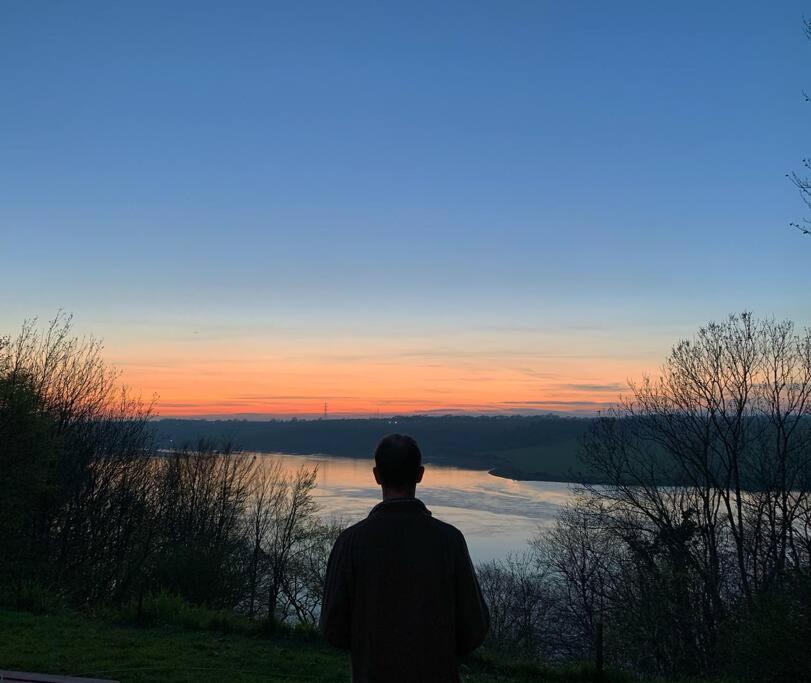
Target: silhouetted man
<point>401,592</point>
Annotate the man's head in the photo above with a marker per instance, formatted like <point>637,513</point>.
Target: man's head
<point>398,465</point>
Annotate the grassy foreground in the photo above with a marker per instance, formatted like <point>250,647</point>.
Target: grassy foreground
<point>77,645</point>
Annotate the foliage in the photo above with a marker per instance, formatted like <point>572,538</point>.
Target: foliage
<point>520,603</point>
<point>706,577</point>
<point>168,609</point>
<point>71,466</point>
<point>95,515</point>
<point>769,641</point>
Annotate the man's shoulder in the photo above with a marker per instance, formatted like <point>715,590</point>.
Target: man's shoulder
<point>353,530</point>
<point>450,532</point>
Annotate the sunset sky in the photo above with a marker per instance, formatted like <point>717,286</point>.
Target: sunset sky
<point>399,207</point>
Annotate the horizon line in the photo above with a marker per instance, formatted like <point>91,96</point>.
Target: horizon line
<point>318,417</point>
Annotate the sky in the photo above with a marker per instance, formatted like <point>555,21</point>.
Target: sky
<point>398,207</point>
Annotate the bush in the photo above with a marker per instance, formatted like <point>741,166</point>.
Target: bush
<point>31,596</point>
<point>769,642</point>
<point>168,609</point>
<point>92,510</point>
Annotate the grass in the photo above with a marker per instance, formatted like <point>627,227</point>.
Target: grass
<point>178,643</point>
<point>72,644</point>
<point>79,645</point>
<point>550,462</point>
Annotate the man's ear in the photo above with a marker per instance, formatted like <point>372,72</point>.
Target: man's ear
<point>377,476</point>
<point>420,472</point>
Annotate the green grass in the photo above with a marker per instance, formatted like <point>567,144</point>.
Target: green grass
<point>78,645</point>
<point>72,644</point>
<point>551,462</point>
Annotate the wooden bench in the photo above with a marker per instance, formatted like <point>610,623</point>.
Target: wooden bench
<point>26,677</point>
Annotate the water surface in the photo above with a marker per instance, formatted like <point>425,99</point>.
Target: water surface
<point>496,515</point>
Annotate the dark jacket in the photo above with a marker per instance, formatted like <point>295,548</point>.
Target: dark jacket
<point>402,595</point>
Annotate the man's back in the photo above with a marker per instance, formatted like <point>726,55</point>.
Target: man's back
<point>401,593</point>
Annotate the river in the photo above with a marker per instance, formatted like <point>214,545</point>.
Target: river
<point>497,515</point>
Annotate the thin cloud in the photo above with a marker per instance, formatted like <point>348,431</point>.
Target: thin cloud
<point>292,397</point>
<point>555,403</point>
<point>611,386</point>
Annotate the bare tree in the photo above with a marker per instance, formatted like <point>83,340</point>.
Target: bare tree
<point>579,553</point>
<point>707,470</point>
<point>294,517</point>
<point>203,541</point>
<point>303,585</point>
<point>521,604</point>
<point>268,491</point>
<point>84,443</point>
<point>800,180</point>
<point>93,511</point>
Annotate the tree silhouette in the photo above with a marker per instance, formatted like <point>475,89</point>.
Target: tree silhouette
<point>801,181</point>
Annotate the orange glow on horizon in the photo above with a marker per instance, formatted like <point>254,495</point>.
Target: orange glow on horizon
<point>242,379</point>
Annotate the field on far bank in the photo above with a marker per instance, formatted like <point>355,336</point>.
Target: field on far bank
<point>541,462</point>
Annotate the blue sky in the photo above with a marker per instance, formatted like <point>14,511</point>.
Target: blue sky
<point>452,179</point>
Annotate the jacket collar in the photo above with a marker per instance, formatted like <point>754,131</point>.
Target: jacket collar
<point>402,505</point>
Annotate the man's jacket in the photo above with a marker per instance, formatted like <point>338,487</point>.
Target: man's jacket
<point>402,595</point>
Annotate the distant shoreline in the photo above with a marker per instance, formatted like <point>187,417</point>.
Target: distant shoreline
<point>522,448</point>
<point>501,472</point>
<point>520,475</point>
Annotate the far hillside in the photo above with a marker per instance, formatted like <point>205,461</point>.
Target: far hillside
<point>521,447</point>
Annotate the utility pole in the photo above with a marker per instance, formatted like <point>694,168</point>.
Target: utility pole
<point>325,410</point>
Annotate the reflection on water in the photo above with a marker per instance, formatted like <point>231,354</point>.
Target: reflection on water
<point>496,515</point>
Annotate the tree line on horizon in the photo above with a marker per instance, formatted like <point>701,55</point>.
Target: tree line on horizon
<point>477,442</point>
<point>708,577</point>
